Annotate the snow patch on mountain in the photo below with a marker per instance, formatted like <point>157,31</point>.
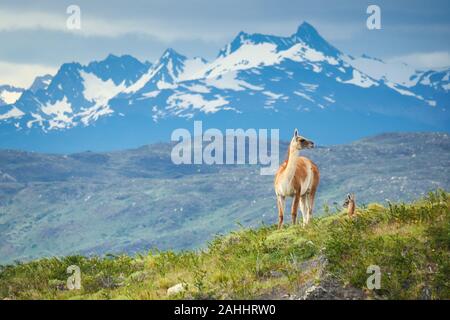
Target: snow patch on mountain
<point>304,96</point>
<point>9,94</point>
<point>230,81</point>
<point>272,95</point>
<point>37,118</point>
<point>151,94</point>
<point>161,85</point>
<point>360,80</point>
<point>140,83</point>
<point>92,114</point>
<point>301,52</point>
<point>183,101</point>
<point>193,69</point>
<point>309,86</point>
<point>12,113</point>
<point>99,91</point>
<point>377,69</point>
<point>401,91</point>
<point>246,57</point>
<point>329,99</point>
<point>199,88</point>
<point>60,110</point>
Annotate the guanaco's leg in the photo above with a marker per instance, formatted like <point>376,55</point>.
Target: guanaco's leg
<point>311,205</point>
<point>308,203</point>
<point>311,197</point>
<point>295,202</point>
<point>303,209</point>
<point>280,203</point>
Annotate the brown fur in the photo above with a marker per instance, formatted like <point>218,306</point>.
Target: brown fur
<point>350,203</point>
<point>300,172</point>
<point>303,197</point>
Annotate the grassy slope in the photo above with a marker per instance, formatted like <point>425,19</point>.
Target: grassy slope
<point>132,200</point>
<point>410,243</point>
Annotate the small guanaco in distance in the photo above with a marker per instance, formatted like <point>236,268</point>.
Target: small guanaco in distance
<point>297,177</point>
<point>350,204</point>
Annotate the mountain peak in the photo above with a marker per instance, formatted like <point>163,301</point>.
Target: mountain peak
<point>167,69</point>
<point>242,35</point>
<point>111,56</point>
<point>172,54</point>
<point>118,68</point>
<point>305,33</point>
<point>306,30</point>
<point>243,38</point>
<point>40,83</point>
<point>309,35</point>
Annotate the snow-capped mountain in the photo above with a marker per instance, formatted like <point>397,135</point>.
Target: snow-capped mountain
<point>10,94</point>
<point>170,69</point>
<point>256,81</point>
<point>76,94</point>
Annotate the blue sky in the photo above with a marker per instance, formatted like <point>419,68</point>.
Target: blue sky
<point>35,39</point>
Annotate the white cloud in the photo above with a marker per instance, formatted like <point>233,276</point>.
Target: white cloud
<point>163,29</point>
<point>15,20</point>
<point>425,60</point>
<point>22,75</point>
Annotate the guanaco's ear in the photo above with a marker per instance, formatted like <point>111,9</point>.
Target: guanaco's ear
<point>295,132</point>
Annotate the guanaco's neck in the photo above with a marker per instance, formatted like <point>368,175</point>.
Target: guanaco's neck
<point>292,162</point>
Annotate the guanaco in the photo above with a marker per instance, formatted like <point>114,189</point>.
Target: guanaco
<point>297,177</point>
<point>350,204</point>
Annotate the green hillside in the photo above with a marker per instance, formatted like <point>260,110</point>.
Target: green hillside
<point>328,259</point>
<point>133,200</point>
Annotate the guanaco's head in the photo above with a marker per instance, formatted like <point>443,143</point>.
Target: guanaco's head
<point>349,199</point>
<point>298,142</point>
